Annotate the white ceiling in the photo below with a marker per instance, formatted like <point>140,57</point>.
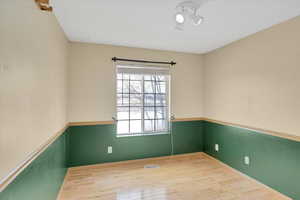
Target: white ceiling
<point>150,23</point>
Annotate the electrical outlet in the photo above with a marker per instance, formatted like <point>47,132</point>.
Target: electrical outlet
<point>247,160</point>
<point>217,147</point>
<point>109,149</point>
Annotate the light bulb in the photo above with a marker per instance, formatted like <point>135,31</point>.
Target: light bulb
<point>179,18</point>
<point>197,20</point>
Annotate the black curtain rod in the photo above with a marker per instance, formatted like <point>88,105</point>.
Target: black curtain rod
<point>143,61</point>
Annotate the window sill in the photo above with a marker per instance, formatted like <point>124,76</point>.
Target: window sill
<point>143,134</point>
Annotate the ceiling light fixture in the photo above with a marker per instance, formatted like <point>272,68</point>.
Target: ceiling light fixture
<point>187,9</point>
<point>197,20</point>
<point>179,18</point>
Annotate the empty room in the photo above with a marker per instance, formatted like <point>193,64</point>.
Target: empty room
<point>149,100</point>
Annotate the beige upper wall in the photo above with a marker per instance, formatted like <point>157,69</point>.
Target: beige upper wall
<point>92,83</point>
<point>256,81</point>
<point>33,50</point>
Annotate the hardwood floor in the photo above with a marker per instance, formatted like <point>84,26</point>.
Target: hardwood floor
<point>184,177</point>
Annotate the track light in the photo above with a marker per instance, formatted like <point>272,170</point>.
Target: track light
<point>187,9</point>
<point>179,17</point>
<point>197,19</point>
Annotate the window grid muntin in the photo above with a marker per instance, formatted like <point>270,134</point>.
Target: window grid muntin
<point>155,120</point>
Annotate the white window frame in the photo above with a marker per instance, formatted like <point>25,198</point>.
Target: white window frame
<point>167,105</point>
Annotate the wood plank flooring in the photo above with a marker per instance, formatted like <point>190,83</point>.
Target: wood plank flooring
<point>184,177</point>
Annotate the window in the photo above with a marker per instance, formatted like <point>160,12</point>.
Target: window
<point>142,100</point>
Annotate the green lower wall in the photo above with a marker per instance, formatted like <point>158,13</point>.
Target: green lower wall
<point>42,179</point>
<point>88,144</point>
<point>274,161</point>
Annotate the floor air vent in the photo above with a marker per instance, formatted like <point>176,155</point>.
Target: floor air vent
<point>151,166</point>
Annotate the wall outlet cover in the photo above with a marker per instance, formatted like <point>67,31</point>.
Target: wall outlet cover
<point>109,149</point>
<point>247,160</point>
<point>217,147</point>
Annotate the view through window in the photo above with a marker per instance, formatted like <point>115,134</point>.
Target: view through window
<point>142,103</point>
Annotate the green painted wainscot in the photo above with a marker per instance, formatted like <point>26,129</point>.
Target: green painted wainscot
<point>274,161</point>
<point>42,179</point>
<point>88,144</point>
